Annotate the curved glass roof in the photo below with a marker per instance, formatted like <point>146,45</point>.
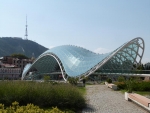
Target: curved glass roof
<point>76,61</point>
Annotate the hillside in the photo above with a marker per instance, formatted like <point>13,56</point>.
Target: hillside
<point>10,46</point>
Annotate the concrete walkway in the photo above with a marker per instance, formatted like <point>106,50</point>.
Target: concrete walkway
<point>101,99</point>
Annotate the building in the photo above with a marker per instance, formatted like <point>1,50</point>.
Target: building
<point>9,73</point>
<point>21,63</point>
<point>11,68</point>
<point>72,61</point>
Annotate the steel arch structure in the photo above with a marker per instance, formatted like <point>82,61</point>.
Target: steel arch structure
<point>76,61</point>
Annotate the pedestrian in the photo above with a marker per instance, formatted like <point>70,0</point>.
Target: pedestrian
<point>83,82</point>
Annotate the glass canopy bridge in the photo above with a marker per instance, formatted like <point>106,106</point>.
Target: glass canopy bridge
<point>144,74</point>
<point>136,73</point>
<point>72,61</point>
<point>108,73</point>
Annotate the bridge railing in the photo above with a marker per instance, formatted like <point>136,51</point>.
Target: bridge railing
<point>126,71</point>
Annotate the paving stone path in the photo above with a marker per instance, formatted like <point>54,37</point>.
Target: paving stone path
<point>101,99</point>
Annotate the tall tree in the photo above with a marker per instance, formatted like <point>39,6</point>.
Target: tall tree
<point>19,56</point>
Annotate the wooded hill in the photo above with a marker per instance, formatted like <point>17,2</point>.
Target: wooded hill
<point>10,45</point>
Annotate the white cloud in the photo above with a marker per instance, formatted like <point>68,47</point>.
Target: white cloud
<point>102,50</point>
<point>51,47</point>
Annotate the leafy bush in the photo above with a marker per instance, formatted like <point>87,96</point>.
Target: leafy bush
<point>129,84</point>
<point>109,80</point>
<point>134,85</point>
<point>121,79</point>
<point>41,94</point>
<point>46,78</point>
<point>143,86</point>
<point>121,85</point>
<point>56,110</point>
<point>29,108</point>
<point>73,80</point>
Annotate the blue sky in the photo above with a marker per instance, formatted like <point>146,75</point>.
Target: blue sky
<point>97,25</point>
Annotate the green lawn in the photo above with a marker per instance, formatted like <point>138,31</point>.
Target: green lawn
<point>82,90</point>
<point>142,92</point>
<point>138,92</point>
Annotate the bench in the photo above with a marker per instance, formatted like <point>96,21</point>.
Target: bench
<point>106,83</point>
<point>112,86</point>
<point>139,99</point>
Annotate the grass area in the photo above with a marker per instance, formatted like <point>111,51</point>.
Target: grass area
<point>82,90</point>
<point>44,95</point>
<point>90,83</point>
<point>123,91</point>
<point>142,92</point>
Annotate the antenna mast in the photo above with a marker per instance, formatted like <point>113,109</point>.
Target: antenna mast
<point>26,31</point>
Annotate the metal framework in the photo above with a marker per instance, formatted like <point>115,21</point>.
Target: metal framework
<point>122,58</point>
<point>75,61</point>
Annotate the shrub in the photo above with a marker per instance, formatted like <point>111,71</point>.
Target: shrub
<point>56,110</point>
<point>46,78</point>
<point>134,84</point>
<point>121,79</point>
<point>41,94</point>
<point>73,80</point>
<point>109,80</point>
<point>143,86</point>
<point>129,84</point>
<point>29,108</point>
<point>121,85</point>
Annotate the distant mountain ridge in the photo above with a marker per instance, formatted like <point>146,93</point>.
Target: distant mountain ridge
<point>11,45</point>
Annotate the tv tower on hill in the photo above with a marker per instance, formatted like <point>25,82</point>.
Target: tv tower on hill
<point>26,31</point>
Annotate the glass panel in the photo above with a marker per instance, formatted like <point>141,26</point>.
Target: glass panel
<point>77,60</point>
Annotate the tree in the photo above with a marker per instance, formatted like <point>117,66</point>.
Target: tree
<point>19,56</point>
<point>140,67</point>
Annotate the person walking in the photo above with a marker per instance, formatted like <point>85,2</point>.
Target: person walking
<point>83,82</point>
